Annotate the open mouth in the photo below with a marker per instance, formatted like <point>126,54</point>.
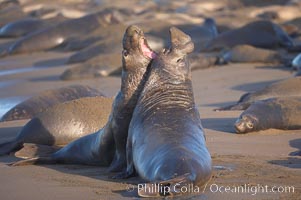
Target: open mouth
<point>146,50</point>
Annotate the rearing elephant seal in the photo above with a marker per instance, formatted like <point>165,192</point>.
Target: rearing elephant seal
<point>166,139</point>
<point>279,113</point>
<point>109,143</point>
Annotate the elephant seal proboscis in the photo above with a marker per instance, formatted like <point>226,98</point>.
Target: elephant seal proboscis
<point>108,145</point>
<point>278,113</point>
<point>62,123</point>
<point>166,140</point>
<point>30,107</point>
<point>285,88</point>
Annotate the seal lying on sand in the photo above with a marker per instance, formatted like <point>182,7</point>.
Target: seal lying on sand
<point>25,26</point>
<point>247,53</point>
<point>264,34</point>
<point>30,107</point>
<point>108,145</point>
<point>166,139</point>
<point>102,65</point>
<point>288,87</point>
<point>279,113</point>
<point>51,37</point>
<point>63,123</point>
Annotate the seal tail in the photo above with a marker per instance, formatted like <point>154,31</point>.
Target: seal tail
<point>34,161</point>
<point>169,187</point>
<point>7,147</point>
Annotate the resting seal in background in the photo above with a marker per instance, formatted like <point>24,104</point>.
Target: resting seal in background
<point>264,34</point>
<point>279,113</point>
<point>285,88</point>
<point>108,145</point>
<point>30,107</point>
<point>166,139</point>
<point>62,123</point>
<point>54,36</point>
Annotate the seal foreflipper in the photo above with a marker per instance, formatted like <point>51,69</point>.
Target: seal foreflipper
<point>34,161</point>
<point>7,147</point>
<point>31,150</point>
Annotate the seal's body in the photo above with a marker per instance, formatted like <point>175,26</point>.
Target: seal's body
<point>62,123</point>
<point>36,104</point>
<point>108,145</point>
<point>166,138</point>
<point>285,88</point>
<point>279,113</point>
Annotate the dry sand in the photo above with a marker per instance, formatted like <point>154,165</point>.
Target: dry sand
<point>257,158</point>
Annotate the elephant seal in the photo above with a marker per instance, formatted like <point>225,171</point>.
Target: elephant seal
<point>30,107</point>
<point>285,88</point>
<point>54,36</point>
<point>62,123</point>
<point>166,139</point>
<point>20,27</point>
<point>100,66</point>
<point>202,60</point>
<point>278,113</point>
<point>262,34</point>
<point>247,53</point>
<point>108,145</point>
<point>28,25</point>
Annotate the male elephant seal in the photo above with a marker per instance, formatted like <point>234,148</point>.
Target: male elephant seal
<point>263,34</point>
<point>63,123</point>
<point>287,87</point>
<point>108,145</point>
<point>166,139</point>
<point>30,107</point>
<point>279,113</point>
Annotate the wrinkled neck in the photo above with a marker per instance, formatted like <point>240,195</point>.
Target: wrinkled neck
<point>166,88</point>
<point>132,83</point>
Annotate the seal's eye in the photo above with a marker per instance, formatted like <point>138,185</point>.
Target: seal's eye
<point>125,53</point>
<point>179,60</point>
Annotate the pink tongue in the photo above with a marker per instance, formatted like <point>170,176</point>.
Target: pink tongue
<point>147,52</point>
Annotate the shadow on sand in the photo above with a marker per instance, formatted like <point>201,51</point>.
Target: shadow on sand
<point>219,124</point>
<point>291,162</point>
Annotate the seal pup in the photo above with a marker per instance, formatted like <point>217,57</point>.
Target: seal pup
<point>108,145</point>
<point>62,123</point>
<point>287,87</point>
<point>166,139</point>
<point>30,107</point>
<point>278,113</point>
<point>262,34</point>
